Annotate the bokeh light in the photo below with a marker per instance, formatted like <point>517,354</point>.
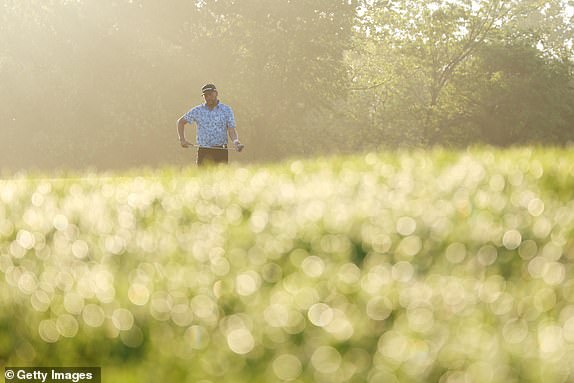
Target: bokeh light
<point>415,270</point>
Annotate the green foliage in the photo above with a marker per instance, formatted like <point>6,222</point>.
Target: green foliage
<point>425,74</point>
<point>286,60</point>
<point>86,84</point>
<point>407,266</point>
<point>511,95</point>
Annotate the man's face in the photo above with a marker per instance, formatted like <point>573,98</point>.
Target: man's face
<point>210,97</point>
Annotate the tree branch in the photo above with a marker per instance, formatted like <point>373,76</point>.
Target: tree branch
<point>369,87</point>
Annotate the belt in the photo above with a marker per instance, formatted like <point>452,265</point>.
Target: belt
<point>213,147</point>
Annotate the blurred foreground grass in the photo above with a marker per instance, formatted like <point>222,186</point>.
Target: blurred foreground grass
<point>389,267</point>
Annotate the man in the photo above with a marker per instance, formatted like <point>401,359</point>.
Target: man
<point>214,121</point>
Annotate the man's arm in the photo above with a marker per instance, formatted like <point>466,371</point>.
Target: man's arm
<point>181,133</point>
<point>232,131</point>
<point>235,138</point>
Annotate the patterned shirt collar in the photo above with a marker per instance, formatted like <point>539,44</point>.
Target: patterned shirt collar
<point>207,107</point>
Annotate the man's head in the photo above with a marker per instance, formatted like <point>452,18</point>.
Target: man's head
<point>209,92</point>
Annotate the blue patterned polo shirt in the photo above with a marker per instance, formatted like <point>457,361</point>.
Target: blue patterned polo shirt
<point>212,124</point>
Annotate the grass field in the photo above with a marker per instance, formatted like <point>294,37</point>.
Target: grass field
<point>413,266</point>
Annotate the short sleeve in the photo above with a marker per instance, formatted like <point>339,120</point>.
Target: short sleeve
<point>230,119</point>
<point>190,116</point>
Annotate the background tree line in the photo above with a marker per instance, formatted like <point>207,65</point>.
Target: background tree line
<point>100,84</point>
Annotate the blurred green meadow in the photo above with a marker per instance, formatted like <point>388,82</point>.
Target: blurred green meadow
<point>415,266</point>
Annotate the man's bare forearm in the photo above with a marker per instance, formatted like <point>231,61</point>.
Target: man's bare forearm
<point>235,138</point>
<point>233,134</point>
<point>181,132</point>
<point>181,129</point>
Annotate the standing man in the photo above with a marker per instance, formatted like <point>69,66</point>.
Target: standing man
<point>214,121</point>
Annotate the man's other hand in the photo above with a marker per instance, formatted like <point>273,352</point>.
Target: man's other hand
<point>238,145</point>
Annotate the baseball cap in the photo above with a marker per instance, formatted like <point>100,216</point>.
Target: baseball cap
<point>208,88</point>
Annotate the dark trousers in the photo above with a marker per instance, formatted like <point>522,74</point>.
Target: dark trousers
<point>206,156</point>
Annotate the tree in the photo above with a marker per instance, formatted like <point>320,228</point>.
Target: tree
<point>284,60</point>
<point>512,95</point>
<point>423,47</point>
